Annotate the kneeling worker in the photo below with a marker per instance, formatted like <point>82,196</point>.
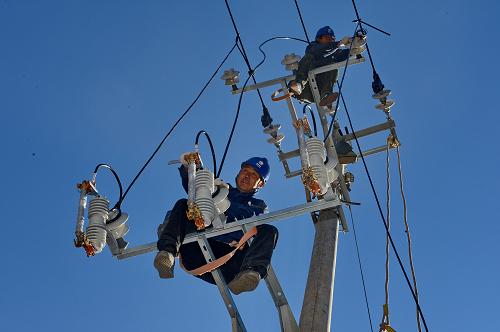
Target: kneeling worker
<point>244,270</point>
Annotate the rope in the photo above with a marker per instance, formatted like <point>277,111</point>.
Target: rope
<point>361,269</point>
<point>383,218</point>
<point>407,231</point>
<point>175,124</point>
<point>385,316</point>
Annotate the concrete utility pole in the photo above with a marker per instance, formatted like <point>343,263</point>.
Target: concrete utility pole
<point>317,306</point>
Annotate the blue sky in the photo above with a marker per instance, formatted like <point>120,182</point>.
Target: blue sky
<point>84,82</point>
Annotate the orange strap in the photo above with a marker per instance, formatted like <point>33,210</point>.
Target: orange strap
<point>221,260</point>
<point>285,95</point>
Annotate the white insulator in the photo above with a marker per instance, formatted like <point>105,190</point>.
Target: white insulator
<point>277,139</point>
<point>291,61</point>
<point>382,94</point>
<point>317,157</point>
<point>231,76</point>
<point>220,200</point>
<point>330,167</point>
<point>272,128</point>
<point>205,187</point>
<point>385,106</point>
<point>98,215</point>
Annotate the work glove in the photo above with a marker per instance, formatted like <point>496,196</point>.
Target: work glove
<point>295,87</point>
<point>345,41</point>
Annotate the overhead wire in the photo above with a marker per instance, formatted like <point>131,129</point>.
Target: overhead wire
<point>117,178</point>
<point>176,123</point>
<point>361,268</point>
<point>302,21</point>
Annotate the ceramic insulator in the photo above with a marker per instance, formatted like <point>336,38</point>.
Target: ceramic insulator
<point>317,157</point>
<point>204,184</point>
<point>98,215</point>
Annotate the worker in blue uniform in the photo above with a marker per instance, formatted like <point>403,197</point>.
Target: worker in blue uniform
<point>249,265</point>
<point>325,50</point>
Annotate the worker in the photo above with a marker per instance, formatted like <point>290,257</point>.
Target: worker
<point>321,52</point>
<point>249,265</point>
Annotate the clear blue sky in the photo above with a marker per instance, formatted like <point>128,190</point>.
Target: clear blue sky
<point>84,82</point>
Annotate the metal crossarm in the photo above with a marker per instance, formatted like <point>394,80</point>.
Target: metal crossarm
<point>235,226</point>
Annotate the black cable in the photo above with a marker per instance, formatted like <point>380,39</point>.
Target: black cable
<point>176,123</point>
<point>241,96</point>
<point>211,147</point>
<point>313,117</point>
<point>361,269</point>
<point>383,219</point>
<point>116,177</point>
<point>271,39</point>
<point>243,52</point>
<point>234,126</point>
<point>302,21</point>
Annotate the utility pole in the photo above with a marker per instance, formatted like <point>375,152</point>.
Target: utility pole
<point>317,306</point>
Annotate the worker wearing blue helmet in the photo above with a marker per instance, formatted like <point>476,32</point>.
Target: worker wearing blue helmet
<point>248,266</point>
<point>321,52</point>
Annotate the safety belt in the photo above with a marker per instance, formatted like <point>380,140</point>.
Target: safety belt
<point>209,267</point>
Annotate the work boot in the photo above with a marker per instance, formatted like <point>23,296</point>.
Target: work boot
<point>245,281</point>
<point>328,98</point>
<point>164,263</point>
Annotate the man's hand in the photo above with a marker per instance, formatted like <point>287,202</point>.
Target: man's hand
<point>295,87</point>
<point>345,41</point>
<point>187,157</point>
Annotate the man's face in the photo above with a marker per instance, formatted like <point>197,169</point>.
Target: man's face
<point>248,179</point>
<point>325,39</point>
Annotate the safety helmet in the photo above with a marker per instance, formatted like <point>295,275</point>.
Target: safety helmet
<point>261,166</point>
<point>326,30</point>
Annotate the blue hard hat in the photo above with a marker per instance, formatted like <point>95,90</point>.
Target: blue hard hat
<point>326,30</point>
<point>261,165</point>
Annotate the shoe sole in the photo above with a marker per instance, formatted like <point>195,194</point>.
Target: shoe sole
<point>329,100</point>
<point>164,271</point>
<point>244,283</point>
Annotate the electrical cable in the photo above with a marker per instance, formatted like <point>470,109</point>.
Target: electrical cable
<point>271,39</point>
<point>176,123</point>
<point>383,218</point>
<point>234,126</point>
<point>312,116</point>
<point>302,21</point>
<point>361,269</point>
<point>243,52</point>
<point>115,175</point>
<point>241,96</point>
<point>211,147</point>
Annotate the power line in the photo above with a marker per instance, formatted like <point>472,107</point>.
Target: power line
<point>361,269</point>
<point>175,125</point>
<point>302,21</point>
